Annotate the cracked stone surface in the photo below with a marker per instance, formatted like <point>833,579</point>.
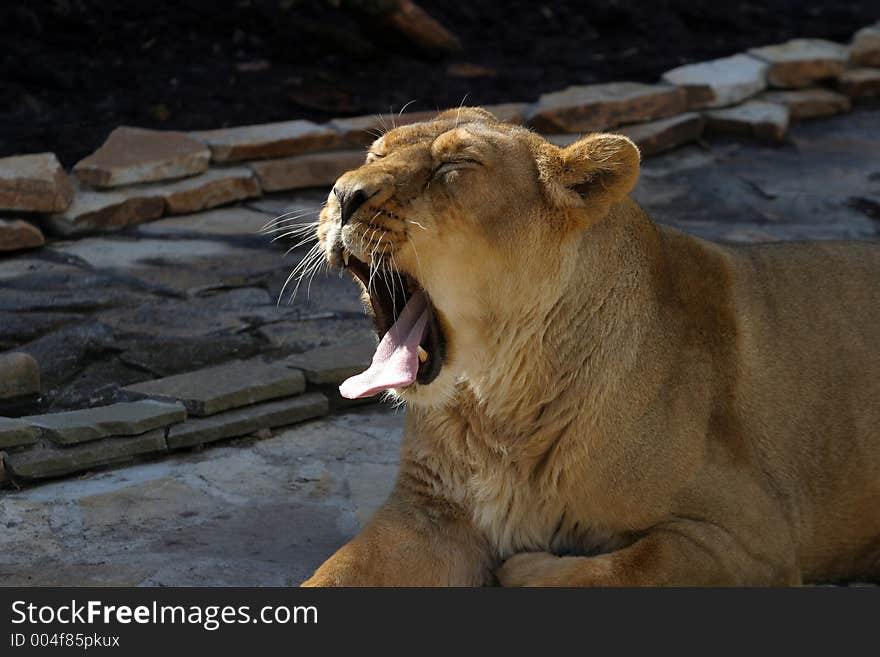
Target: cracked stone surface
<point>263,512</point>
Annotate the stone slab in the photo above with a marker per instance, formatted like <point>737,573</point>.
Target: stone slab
<point>34,183</point>
<point>809,103</point>
<point>759,119</point>
<point>242,421</point>
<point>303,202</point>
<point>17,433</point>
<point>135,155</point>
<point>665,134</point>
<point>118,252</point>
<point>509,112</point>
<point>16,235</point>
<point>208,190</point>
<point>47,461</point>
<point>364,130</point>
<point>122,419</point>
<point>224,222</point>
<point>268,140</point>
<point>333,364</point>
<point>19,375</point>
<point>865,47</point>
<point>231,385</point>
<point>603,106</point>
<point>860,82</point>
<point>301,171</point>
<point>98,212</point>
<point>720,82</point>
<point>800,62</point>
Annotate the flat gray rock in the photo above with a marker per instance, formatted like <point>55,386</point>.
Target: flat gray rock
<point>860,82</point>
<point>231,385</point>
<point>663,135</point>
<point>208,190</point>
<point>720,82</point>
<point>103,211</point>
<point>252,142</point>
<point>333,364</point>
<point>508,112</point>
<point>123,419</point>
<point>800,62</point>
<point>223,222</point>
<point>757,118</point>
<point>303,171</point>
<point>19,375</point>
<point>303,202</point>
<point>34,183</point>
<point>121,253</point>
<point>47,461</point>
<point>865,47</point>
<point>17,433</point>
<point>135,155</point>
<point>242,421</point>
<point>18,234</point>
<point>808,103</point>
<point>603,106</point>
<point>364,130</point>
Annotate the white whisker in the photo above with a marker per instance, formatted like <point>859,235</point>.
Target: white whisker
<point>286,216</point>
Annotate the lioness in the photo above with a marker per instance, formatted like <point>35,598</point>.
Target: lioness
<point>593,399</point>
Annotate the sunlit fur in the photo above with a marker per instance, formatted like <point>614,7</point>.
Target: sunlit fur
<point>621,403</point>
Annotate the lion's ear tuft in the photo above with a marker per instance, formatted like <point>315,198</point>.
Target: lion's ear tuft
<point>594,173</point>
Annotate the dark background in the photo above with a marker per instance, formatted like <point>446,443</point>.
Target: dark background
<point>72,70</point>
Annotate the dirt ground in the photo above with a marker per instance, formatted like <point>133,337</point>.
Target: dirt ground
<point>72,70</point>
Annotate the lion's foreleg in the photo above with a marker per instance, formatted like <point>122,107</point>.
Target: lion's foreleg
<point>664,557</point>
<point>411,541</point>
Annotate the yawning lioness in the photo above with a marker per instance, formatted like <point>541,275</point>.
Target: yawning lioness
<point>593,399</point>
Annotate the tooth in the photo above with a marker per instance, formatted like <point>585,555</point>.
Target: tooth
<point>423,355</point>
<point>345,255</point>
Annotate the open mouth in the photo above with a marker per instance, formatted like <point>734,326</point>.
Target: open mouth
<point>411,343</point>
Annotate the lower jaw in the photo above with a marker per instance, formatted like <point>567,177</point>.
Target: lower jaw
<point>434,344</point>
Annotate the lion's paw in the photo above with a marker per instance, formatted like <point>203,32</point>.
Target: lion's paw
<point>530,569</point>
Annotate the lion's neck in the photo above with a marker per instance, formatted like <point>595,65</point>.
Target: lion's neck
<point>556,360</point>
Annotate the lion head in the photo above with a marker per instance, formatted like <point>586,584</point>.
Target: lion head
<point>457,224</point>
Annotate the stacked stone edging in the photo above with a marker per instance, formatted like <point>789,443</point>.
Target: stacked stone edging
<point>192,409</point>
<point>139,175</point>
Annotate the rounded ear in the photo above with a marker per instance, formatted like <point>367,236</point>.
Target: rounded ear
<point>593,173</point>
<point>468,115</point>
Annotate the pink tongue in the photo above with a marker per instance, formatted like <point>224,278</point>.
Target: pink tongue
<point>396,361</point>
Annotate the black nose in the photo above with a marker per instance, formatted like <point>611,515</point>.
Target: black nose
<point>350,199</point>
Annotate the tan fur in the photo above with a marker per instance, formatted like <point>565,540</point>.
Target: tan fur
<point>622,404</point>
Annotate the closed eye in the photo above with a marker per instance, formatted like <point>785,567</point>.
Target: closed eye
<point>457,164</point>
